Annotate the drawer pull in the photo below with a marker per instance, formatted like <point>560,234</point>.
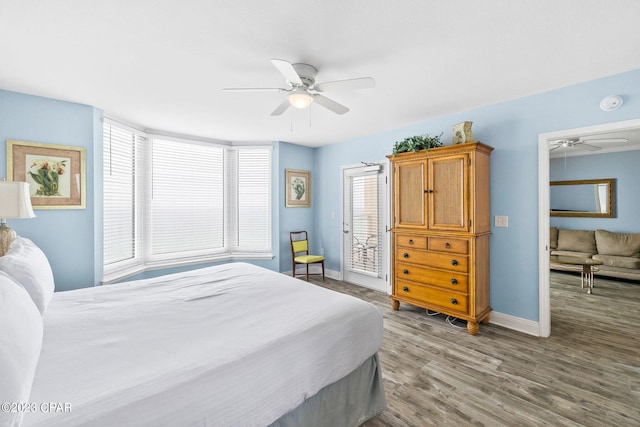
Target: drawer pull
<point>454,262</point>
<point>454,301</point>
<point>406,255</point>
<point>406,289</point>
<point>454,281</point>
<point>411,241</point>
<point>447,245</point>
<point>405,271</point>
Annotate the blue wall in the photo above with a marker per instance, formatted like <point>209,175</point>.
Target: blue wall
<point>512,128</point>
<point>296,219</point>
<point>67,237</point>
<point>624,167</point>
<point>72,239</point>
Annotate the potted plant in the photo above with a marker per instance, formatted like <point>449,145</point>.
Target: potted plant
<point>417,143</point>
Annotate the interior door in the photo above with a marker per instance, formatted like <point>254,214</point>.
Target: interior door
<point>364,226</point>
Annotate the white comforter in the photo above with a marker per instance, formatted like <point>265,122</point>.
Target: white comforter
<point>233,345</point>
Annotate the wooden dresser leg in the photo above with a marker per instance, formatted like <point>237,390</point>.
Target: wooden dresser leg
<point>395,304</point>
<point>485,321</point>
<point>472,327</point>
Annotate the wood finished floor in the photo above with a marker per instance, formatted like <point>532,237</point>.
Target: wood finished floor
<point>586,374</point>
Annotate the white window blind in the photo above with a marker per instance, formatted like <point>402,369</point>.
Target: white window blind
<point>187,198</point>
<point>170,201</point>
<point>254,199</point>
<point>122,148</point>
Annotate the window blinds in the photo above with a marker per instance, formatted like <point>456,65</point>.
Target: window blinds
<point>170,200</point>
<point>122,148</point>
<point>254,199</point>
<point>187,197</point>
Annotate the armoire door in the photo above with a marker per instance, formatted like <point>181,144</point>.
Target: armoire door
<point>448,193</point>
<point>409,194</point>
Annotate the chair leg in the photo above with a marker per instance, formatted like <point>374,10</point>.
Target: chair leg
<point>323,270</point>
<point>307,272</point>
<point>294,269</point>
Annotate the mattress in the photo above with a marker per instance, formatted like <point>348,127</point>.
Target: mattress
<point>232,345</point>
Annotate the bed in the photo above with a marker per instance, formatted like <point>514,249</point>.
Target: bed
<point>231,345</point>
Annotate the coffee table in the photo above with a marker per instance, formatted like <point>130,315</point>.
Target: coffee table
<point>588,267</point>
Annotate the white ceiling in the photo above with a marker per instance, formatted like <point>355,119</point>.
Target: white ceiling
<point>161,64</point>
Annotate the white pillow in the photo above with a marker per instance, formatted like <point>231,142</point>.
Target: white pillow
<point>20,345</point>
<point>29,266</point>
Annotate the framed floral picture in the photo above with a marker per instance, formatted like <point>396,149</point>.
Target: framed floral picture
<point>55,173</point>
<point>298,188</point>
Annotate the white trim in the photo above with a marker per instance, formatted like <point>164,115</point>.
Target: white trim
<point>515,323</point>
<point>543,208</point>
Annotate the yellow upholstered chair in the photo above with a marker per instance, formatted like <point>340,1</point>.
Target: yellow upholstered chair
<point>300,248</point>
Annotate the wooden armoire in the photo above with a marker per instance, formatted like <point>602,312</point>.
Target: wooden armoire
<point>441,228</point>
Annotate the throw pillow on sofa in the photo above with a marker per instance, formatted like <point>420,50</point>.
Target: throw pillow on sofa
<point>618,244</point>
<point>577,241</point>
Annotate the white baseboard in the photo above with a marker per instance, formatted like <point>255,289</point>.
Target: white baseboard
<point>516,323</point>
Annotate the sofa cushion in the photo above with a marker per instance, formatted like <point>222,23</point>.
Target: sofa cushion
<point>619,244</point>
<point>619,261</point>
<point>577,241</point>
<point>553,238</point>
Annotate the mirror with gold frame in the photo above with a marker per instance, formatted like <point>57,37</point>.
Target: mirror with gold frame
<point>590,198</point>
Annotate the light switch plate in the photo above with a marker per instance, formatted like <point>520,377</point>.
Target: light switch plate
<point>501,221</point>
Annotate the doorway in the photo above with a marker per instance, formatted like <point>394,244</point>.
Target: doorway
<point>544,312</point>
<point>364,225</point>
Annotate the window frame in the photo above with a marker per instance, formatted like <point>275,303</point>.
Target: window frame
<point>143,259</point>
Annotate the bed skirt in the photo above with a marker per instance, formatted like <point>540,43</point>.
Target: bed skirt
<point>348,402</point>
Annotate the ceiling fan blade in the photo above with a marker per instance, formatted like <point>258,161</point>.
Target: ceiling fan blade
<point>287,70</point>
<point>254,89</point>
<point>330,104</point>
<point>349,84</point>
<point>586,147</point>
<point>281,108</point>
<point>604,140</point>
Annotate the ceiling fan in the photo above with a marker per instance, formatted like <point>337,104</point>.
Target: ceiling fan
<point>582,143</point>
<point>302,88</point>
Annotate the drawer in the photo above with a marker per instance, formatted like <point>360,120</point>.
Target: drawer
<point>446,279</point>
<point>419,242</point>
<point>452,262</point>
<point>446,244</point>
<point>452,301</point>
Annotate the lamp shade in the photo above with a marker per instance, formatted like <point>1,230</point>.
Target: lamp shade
<point>15,200</point>
<point>300,99</point>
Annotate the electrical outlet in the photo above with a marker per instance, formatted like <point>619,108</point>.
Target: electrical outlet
<point>501,221</point>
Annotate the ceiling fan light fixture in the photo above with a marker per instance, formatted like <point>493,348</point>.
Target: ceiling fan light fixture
<point>300,99</point>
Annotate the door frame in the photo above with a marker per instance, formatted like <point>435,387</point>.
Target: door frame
<point>386,242</point>
<point>544,293</point>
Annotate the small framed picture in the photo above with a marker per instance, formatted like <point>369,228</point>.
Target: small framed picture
<point>55,173</point>
<point>298,188</point>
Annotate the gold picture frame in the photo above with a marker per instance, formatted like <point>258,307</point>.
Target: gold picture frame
<point>297,188</point>
<point>56,173</point>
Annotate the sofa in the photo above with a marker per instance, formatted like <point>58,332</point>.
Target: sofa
<point>618,252</point>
